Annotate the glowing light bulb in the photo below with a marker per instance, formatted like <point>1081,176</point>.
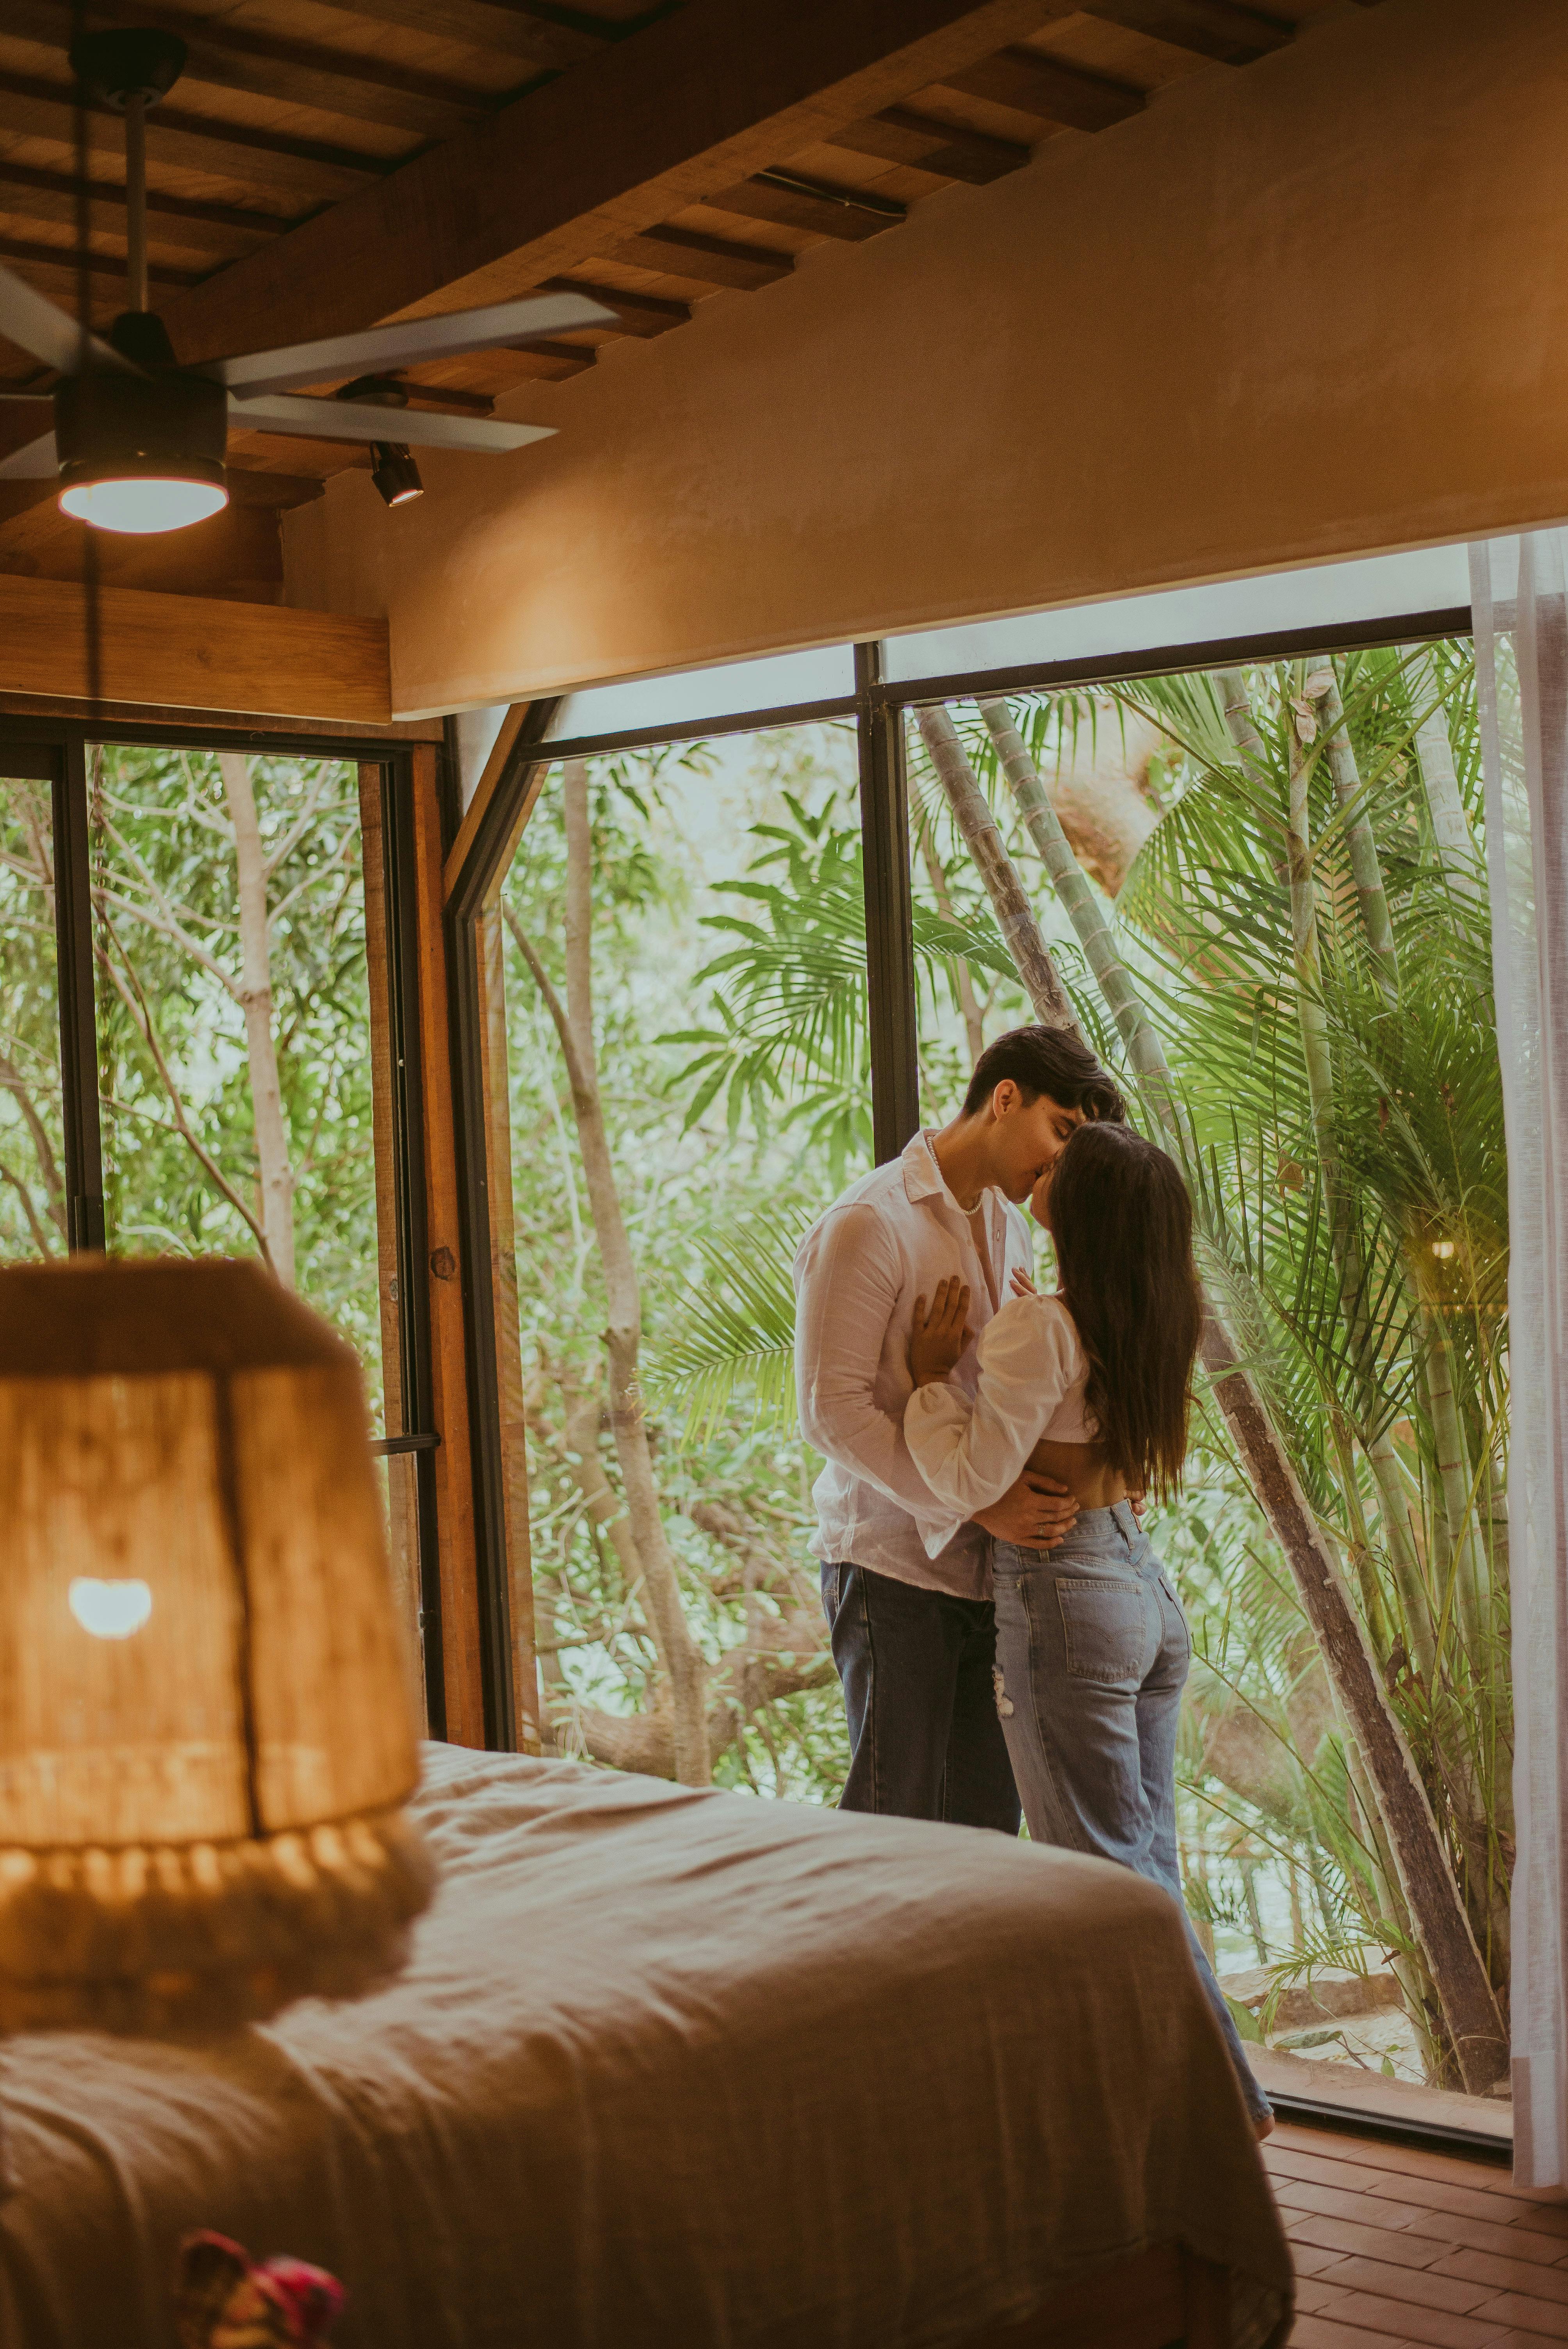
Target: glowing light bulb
<point>142,506</point>
<point>1443,1249</point>
<point>110,1610</point>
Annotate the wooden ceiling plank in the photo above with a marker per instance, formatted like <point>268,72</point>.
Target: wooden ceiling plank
<point>488,25</point>
<point>211,229</point>
<point>844,215</point>
<point>1230,35</point>
<point>295,168</point>
<point>227,55</point>
<point>707,260</point>
<point>696,102</point>
<point>57,257</point>
<point>640,313</point>
<point>900,135</point>
<point>1040,86</point>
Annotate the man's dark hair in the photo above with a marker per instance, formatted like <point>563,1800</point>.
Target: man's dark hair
<point>1046,1061</point>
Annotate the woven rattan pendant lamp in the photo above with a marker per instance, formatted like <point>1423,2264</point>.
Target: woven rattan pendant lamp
<point>205,1727</point>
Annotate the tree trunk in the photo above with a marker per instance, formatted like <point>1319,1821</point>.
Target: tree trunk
<point>1455,847</point>
<point>684,1665</point>
<point>255,993</point>
<point>1470,2008</point>
<point>968,1003</point>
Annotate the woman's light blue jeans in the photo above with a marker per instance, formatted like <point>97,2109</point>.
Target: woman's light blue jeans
<point>1092,1651</point>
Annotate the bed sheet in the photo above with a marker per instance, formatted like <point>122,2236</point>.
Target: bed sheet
<point>670,2066</point>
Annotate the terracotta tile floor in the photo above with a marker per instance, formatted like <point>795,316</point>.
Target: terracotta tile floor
<point>1396,2247</point>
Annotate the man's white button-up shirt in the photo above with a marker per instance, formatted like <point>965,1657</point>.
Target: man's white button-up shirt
<point>889,1238</point>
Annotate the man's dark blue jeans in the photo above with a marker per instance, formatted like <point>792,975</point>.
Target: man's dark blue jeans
<point>917,1666</point>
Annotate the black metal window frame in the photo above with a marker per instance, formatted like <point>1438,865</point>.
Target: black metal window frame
<point>56,751</point>
<point>877,707</point>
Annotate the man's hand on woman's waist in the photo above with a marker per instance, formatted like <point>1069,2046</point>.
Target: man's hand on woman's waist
<point>1037,1512</point>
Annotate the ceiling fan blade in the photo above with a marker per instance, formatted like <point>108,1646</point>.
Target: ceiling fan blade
<point>356,420</point>
<point>35,460</point>
<point>408,343</point>
<point>34,324</point>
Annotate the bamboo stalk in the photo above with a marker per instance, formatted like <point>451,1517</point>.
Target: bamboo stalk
<point>1469,2009</point>
<point>1365,867</point>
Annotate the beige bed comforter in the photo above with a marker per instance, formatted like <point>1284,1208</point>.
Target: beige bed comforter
<point>672,2068</point>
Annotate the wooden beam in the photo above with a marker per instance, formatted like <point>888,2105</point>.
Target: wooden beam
<point>185,652</point>
<point>540,35</point>
<point>707,260</point>
<point>450,1395</point>
<point>900,135</point>
<point>640,313</point>
<point>490,774</point>
<point>242,729</point>
<point>698,100</point>
<point>818,208</point>
<point>1053,92</point>
<point>1231,34</point>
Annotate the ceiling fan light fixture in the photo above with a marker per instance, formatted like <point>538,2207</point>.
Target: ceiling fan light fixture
<point>395,473</point>
<point>142,503</point>
<point>142,454</point>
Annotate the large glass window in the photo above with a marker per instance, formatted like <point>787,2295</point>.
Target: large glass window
<point>232,1071</point>
<point>233,1020</point>
<point>33,1214</point>
<point>1276,869</point>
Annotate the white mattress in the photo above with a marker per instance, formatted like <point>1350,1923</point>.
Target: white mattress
<point>670,2067</point>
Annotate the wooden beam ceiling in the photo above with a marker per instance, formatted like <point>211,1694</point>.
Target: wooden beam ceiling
<point>324,164</point>
<point>701,99</point>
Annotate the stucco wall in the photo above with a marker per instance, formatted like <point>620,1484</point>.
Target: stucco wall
<point>1315,308</point>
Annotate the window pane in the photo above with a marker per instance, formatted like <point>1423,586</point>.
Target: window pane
<point>652,704</point>
<point>712,898</point>
<point>32,1143</point>
<point>1284,864</point>
<point>233,1021</point>
<point>1323,595</point>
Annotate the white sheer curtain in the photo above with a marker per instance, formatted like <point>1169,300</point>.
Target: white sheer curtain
<point>1520,609</point>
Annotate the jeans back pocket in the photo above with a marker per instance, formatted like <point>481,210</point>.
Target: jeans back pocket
<point>1105,1626</point>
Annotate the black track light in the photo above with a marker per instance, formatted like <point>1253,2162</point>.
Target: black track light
<point>395,473</point>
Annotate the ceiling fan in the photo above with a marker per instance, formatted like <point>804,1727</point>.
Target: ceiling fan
<point>138,442</point>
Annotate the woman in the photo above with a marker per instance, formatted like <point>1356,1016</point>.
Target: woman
<point>1091,1386</point>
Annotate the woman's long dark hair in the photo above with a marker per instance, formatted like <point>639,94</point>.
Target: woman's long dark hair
<point>1122,1223</point>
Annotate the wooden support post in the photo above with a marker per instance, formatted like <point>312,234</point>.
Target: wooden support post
<point>527,1714</point>
<point>402,1497</point>
<point>449,1394</point>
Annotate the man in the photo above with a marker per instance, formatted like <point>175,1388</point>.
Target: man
<point>913,1637</point>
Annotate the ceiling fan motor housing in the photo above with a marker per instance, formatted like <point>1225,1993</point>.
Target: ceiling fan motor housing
<point>141,427</point>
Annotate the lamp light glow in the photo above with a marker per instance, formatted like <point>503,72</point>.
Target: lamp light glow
<point>110,1610</point>
<point>141,505</point>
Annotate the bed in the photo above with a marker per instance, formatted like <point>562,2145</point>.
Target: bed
<point>689,2068</point>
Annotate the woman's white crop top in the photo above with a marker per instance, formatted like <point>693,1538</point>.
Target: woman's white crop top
<point>1031,1375</point>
